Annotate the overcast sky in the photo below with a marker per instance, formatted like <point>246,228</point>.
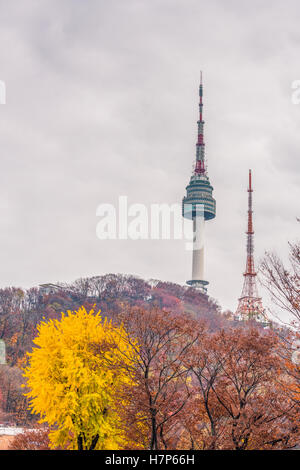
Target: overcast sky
<point>102,101</point>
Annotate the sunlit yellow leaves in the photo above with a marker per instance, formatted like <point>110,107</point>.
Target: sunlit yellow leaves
<point>74,372</point>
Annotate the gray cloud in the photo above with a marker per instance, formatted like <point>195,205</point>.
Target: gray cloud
<point>102,101</point>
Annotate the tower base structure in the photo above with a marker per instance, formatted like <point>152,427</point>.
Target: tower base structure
<point>251,308</point>
<point>199,285</point>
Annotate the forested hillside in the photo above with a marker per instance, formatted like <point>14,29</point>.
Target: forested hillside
<point>213,383</point>
<point>22,310</point>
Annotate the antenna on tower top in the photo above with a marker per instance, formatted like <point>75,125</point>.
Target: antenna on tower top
<point>200,163</point>
<point>250,181</point>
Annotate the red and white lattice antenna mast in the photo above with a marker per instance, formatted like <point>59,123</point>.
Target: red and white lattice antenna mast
<point>250,304</point>
<point>200,145</point>
<point>250,233</point>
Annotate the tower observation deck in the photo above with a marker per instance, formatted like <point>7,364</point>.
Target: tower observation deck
<point>199,205</point>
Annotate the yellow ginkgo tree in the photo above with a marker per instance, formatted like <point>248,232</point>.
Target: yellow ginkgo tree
<point>73,376</point>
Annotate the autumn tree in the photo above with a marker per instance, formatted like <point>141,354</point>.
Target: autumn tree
<point>10,307</point>
<point>10,302</point>
<point>289,352</point>
<point>71,388</point>
<point>283,282</point>
<point>162,380</point>
<point>13,402</point>
<point>238,401</point>
<point>34,439</point>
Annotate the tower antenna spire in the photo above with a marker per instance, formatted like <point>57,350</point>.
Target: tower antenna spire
<point>200,145</point>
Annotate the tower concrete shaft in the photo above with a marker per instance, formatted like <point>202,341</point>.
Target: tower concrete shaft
<point>250,304</point>
<point>198,250</point>
<point>199,205</point>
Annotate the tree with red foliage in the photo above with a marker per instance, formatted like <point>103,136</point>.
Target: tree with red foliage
<point>283,282</point>
<point>13,402</point>
<point>238,402</point>
<point>35,439</point>
<point>10,305</point>
<point>162,341</point>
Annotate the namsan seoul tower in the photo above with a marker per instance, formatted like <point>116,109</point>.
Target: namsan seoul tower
<point>250,304</point>
<point>199,205</point>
